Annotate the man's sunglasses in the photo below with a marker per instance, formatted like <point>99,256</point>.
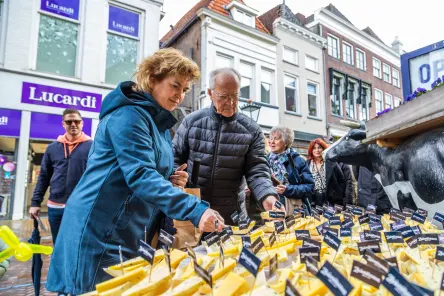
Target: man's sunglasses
<point>69,122</point>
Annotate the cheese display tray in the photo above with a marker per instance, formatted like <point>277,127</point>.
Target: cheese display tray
<point>373,255</point>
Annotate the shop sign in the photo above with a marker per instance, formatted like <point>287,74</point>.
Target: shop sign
<point>49,126</point>
<point>10,122</point>
<point>66,8</point>
<point>123,21</point>
<point>37,94</point>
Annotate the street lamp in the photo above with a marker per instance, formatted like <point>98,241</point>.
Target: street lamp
<point>251,109</point>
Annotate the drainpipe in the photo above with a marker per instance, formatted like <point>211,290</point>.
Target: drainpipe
<point>192,87</point>
<point>203,67</point>
<point>325,90</point>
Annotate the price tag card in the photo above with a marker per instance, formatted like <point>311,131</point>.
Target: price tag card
<point>334,280</point>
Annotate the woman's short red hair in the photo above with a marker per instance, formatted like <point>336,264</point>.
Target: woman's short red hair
<point>318,141</point>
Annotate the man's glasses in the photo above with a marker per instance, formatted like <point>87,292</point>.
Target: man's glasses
<point>225,98</point>
<point>69,122</point>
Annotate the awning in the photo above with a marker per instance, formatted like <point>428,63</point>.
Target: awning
<point>301,136</point>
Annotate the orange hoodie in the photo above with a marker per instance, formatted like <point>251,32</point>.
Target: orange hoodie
<point>72,145</point>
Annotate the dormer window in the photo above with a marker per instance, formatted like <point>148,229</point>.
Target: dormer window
<point>242,13</point>
<point>244,18</point>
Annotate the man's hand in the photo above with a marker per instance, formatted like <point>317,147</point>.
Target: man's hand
<point>34,211</point>
<point>269,204</point>
<point>207,222</point>
<point>180,177</point>
<point>280,189</point>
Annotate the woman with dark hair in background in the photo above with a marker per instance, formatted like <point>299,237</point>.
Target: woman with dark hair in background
<point>328,177</point>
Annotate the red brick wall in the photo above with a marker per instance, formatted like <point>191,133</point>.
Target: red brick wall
<point>191,39</point>
<point>352,70</point>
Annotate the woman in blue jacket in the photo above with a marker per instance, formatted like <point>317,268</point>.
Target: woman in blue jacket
<point>127,183</point>
<point>295,182</point>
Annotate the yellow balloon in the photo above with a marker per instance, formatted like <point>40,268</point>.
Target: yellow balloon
<point>20,250</point>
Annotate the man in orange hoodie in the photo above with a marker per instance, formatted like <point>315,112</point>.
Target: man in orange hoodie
<point>63,164</point>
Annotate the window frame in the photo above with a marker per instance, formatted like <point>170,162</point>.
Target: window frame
<point>389,80</point>
<point>344,56</point>
<point>337,46</point>
<point>296,54</point>
<point>3,26</point>
<point>139,39</point>
<point>341,93</point>
<point>376,100</point>
<point>244,14</point>
<point>80,40</point>
<point>385,101</point>
<point>252,84</point>
<point>398,84</point>
<point>318,101</point>
<point>355,91</point>
<point>223,55</point>
<point>297,93</point>
<point>316,61</point>
<point>271,84</point>
<point>367,109</point>
<point>364,60</point>
<point>396,99</point>
<point>380,67</point>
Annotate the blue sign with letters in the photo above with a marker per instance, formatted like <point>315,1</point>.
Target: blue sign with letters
<point>123,21</point>
<point>421,67</point>
<point>66,8</point>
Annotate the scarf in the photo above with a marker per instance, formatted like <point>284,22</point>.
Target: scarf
<point>277,164</point>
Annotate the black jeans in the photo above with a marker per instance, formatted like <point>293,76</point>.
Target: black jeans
<point>55,219</point>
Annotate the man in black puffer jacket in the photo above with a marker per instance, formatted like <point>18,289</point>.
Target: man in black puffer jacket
<point>229,144</point>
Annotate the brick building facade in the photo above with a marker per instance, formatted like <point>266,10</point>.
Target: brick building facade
<point>362,73</point>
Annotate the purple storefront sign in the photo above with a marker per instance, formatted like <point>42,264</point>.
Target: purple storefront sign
<point>123,21</point>
<point>37,94</point>
<point>66,8</point>
<point>10,122</point>
<point>49,126</point>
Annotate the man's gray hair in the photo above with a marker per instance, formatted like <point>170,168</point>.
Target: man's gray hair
<point>286,133</point>
<point>230,71</point>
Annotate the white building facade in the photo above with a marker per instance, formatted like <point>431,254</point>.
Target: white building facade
<point>238,43</point>
<point>301,84</point>
<point>58,54</point>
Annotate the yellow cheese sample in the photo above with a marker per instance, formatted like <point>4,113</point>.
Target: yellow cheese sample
<point>230,286</point>
<point>134,277</point>
<point>283,275</point>
<point>220,271</point>
<point>176,257</point>
<point>236,230</point>
<point>117,291</point>
<point>188,287</point>
<point>159,283</point>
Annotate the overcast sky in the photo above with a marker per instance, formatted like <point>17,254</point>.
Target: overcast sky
<point>417,22</point>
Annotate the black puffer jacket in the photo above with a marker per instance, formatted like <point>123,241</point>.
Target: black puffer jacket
<point>229,149</point>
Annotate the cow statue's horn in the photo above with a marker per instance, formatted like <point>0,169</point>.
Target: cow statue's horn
<point>350,124</point>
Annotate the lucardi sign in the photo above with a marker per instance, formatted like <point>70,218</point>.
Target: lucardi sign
<point>37,94</point>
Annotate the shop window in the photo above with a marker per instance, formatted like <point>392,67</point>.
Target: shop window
<point>122,45</point>
<point>57,45</point>
<point>8,168</point>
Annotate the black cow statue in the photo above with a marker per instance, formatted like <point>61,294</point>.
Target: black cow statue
<point>412,173</point>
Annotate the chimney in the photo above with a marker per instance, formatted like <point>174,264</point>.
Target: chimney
<point>397,46</point>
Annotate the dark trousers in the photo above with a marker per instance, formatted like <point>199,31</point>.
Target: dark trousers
<point>55,219</point>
